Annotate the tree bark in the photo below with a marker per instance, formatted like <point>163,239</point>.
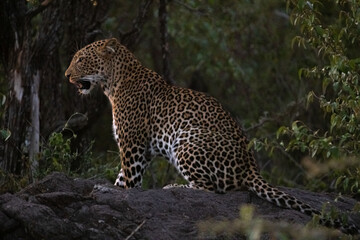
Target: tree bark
<point>19,69</point>
<point>164,41</point>
<point>35,103</point>
<point>130,38</point>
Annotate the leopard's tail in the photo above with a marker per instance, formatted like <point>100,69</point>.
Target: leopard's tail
<point>264,190</point>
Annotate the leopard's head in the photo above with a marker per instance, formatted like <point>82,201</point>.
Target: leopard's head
<point>92,65</point>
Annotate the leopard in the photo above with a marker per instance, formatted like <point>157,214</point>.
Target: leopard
<point>190,129</point>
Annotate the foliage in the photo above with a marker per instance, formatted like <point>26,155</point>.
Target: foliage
<point>11,183</point>
<point>99,166</point>
<point>331,30</point>
<point>56,155</point>
<point>349,181</point>
<point>340,96</point>
<point>236,52</point>
<point>253,228</point>
<point>335,42</point>
<point>160,173</point>
<point>343,174</point>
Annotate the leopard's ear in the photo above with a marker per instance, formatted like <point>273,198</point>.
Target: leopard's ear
<point>109,47</point>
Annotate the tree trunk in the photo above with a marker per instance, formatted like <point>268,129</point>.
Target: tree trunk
<point>34,106</point>
<point>164,42</point>
<point>19,72</point>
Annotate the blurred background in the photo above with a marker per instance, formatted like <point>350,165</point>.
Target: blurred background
<point>287,71</point>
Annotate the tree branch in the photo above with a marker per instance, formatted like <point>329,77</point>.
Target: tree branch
<point>38,9</point>
<point>276,116</point>
<point>136,229</point>
<point>191,9</point>
<point>130,38</point>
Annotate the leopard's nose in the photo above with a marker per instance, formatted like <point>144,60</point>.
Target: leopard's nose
<point>67,75</point>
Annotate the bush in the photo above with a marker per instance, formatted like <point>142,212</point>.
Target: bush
<point>56,155</point>
<point>331,30</point>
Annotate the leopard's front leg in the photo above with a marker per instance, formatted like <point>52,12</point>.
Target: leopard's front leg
<point>120,179</point>
<point>134,162</point>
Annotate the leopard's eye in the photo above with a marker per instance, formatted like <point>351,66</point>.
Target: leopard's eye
<point>80,59</point>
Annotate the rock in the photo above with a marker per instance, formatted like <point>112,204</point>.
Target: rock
<point>59,207</point>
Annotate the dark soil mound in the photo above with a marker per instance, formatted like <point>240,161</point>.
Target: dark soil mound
<point>59,207</point>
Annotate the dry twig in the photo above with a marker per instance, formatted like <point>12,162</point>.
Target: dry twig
<point>135,230</point>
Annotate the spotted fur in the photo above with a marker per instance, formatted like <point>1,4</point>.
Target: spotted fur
<point>188,128</point>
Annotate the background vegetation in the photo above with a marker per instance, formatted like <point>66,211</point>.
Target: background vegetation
<point>288,71</point>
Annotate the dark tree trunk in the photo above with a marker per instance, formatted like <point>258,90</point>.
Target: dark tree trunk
<point>47,47</point>
<point>130,38</point>
<point>163,15</point>
<point>23,83</point>
<point>35,103</point>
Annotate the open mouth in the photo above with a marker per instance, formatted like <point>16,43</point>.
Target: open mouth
<point>82,84</point>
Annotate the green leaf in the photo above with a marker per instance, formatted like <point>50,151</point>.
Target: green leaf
<point>251,143</point>
<point>294,126</point>
<point>325,84</point>
<point>309,99</point>
<point>346,183</point>
<point>282,130</point>
<point>338,181</point>
<point>5,134</point>
<point>353,63</point>
<point>301,72</point>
